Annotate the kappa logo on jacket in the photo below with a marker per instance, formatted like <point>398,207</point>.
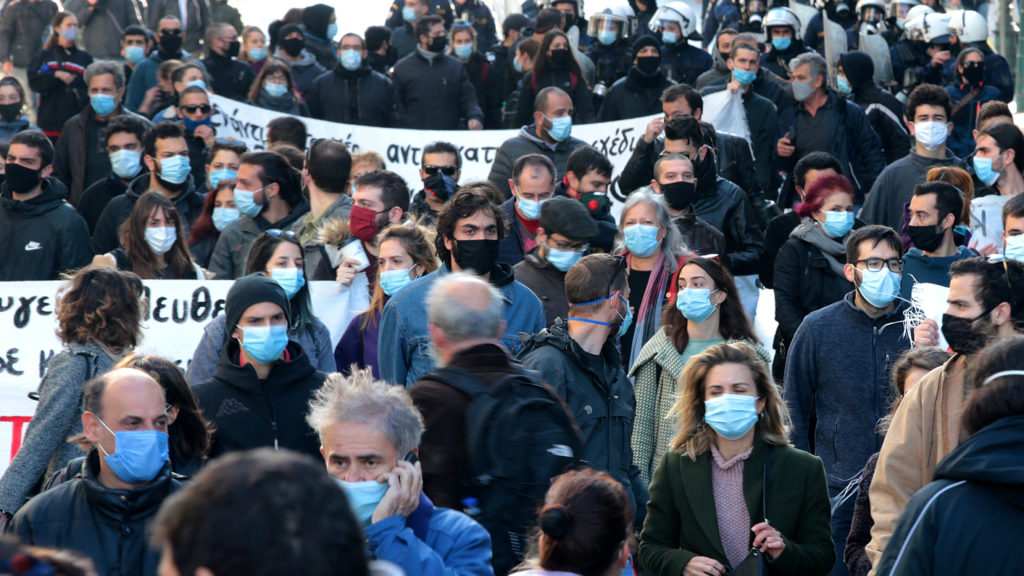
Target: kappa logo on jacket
<point>230,407</point>
<point>33,245</point>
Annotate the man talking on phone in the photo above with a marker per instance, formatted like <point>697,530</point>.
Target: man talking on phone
<point>370,433</point>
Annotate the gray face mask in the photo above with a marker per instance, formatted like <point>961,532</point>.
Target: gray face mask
<point>801,90</point>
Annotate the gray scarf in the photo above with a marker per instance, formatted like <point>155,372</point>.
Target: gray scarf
<point>810,232</point>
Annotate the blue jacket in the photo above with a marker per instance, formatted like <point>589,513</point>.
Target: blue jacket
<point>961,141</point>
<point>839,365</point>
<point>925,269</point>
<point>435,541</point>
<point>145,77</point>
<point>403,351</point>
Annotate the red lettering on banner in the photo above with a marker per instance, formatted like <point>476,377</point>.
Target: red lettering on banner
<point>18,422</point>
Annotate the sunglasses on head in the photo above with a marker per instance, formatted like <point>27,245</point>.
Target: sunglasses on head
<point>446,170</point>
<point>277,233</point>
<point>170,31</point>
<point>193,108</point>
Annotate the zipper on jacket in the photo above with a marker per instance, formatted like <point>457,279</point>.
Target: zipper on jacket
<point>273,427</point>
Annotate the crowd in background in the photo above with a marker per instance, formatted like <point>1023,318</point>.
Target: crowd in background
<point>529,381</point>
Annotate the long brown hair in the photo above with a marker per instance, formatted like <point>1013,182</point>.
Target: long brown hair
<point>732,321</point>
<point>133,238</point>
<point>58,19</point>
<point>694,436</point>
<point>418,243</point>
<point>272,66</point>
<point>543,60</point>
<point>101,304</point>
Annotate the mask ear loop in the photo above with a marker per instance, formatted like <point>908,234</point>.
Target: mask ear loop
<point>1002,374</point>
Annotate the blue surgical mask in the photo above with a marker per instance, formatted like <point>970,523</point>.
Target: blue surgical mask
<point>563,259</point>
<point>560,127</point>
<point>70,34</point>
<point>126,163</point>
<point>257,54</point>
<point>199,83</point>
<point>983,169</point>
<point>641,239</point>
<point>332,30</point>
<point>223,216</point>
<point>744,77</point>
<point>1014,248</point>
<point>517,66</point>
<point>364,497</point>
<point>265,343</point>
<point>607,37</point>
<point>781,44</point>
<point>102,104</point>
<point>530,209</point>
<point>138,456</point>
<point>223,174</point>
<point>669,37</point>
<point>161,239</point>
<point>275,90</point>
<point>408,14</point>
<point>843,85</point>
<point>392,281</point>
<point>134,54</point>
<point>463,51</point>
<point>801,90</point>
<point>351,60</point>
<point>731,416</point>
<point>837,224</point>
<point>245,201</point>
<point>695,303</point>
<point>880,287</point>
<point>291,279</point>
<point>627,321</point>
<point>175,169</point>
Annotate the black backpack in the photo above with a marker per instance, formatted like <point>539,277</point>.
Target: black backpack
<point>519,436</point>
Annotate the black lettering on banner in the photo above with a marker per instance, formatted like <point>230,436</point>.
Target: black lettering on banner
<point>471,154</point>
<point>44,360</point>
<point>408,155</point>
<point>179,314</point>
<point>218,308</point>
<point>200,304</point>
<point>9,363</point>
<point>24,312</point>
<point>43,306</point>
<point>619,143</point>
<point>158,312</point>
<point>6,304</point>
<point>490,152</point>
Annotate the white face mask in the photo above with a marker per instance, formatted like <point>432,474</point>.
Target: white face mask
<point>161,239</point>
<point>931,135</point>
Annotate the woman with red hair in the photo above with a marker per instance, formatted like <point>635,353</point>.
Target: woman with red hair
<point>809,266</point>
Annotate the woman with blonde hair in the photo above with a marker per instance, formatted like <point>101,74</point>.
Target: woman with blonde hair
<point>732,490</point>
<point>405,253</point>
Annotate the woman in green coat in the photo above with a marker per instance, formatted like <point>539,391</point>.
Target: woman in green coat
<point>703,310</point>
<point>706,513</point>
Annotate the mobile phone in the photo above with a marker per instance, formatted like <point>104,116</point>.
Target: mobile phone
<point>411,457</point>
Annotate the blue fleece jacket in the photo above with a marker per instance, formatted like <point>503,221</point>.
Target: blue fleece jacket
<point>839,365</point>
<point>435,541</point>
<point>928,270</point>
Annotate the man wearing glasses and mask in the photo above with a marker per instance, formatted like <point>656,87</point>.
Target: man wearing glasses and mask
<point>839,363</point>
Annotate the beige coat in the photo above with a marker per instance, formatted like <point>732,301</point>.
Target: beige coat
<point>925,428</point>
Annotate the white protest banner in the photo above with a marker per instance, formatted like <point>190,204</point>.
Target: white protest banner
<point>987,221</point>
<point>402,149</point>
<point>178,310</point>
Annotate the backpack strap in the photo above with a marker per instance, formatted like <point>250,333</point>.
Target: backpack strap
<point>964,101</point>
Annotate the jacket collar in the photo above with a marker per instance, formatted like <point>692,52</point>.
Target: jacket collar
<point>283,373</point>
<point>419,520</point>
<point>124,506</point>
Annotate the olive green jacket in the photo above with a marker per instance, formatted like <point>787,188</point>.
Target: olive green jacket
<point>681,521</point>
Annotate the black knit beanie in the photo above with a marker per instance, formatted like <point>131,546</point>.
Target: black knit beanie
<point>249,290</point>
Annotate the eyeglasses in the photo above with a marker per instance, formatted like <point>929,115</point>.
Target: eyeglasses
<point>228,140</point>
<point>446,170</point>
<point>876,264</point>
<point>278,233</point>
<point>193,108</point>
<point>170,31</point>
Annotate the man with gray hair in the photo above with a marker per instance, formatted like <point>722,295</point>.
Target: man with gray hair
<point>369,436</point>
<point>826,122</point>
<point>79,160</point>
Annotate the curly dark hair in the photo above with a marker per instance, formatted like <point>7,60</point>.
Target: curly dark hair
<point>103,305</point>
<point>464,204</point>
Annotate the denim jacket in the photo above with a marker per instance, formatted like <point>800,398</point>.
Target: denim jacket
<point>403,351</point>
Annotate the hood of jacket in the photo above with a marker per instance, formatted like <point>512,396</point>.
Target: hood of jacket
<point>990,456</point>
<point>282,373</point>
<point>719,59</point>
<point>859,69</point>
<point>52,197</point>
<point>140,185</point>
<point>937,263</point>
<point>530,133</point>
<point>306,58</point>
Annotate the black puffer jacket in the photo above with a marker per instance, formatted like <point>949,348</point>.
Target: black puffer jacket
<point>21,30</point>
<point>634,95</point>
<point>883,110</point>
<point>59,101</point>
<point>435,92</point>
<point>231,78</point>
<point>723,205</point>
<point>42,237</point>
<point>253,413</point>
<point>574,86</point>
<point>361,97</point>
<point>109,526</point>
<point>602,403</point>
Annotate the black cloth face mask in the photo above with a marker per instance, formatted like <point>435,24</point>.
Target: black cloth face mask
<point>476,256</point>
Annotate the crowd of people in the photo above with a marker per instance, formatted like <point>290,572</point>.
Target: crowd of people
<point>534,377</point>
